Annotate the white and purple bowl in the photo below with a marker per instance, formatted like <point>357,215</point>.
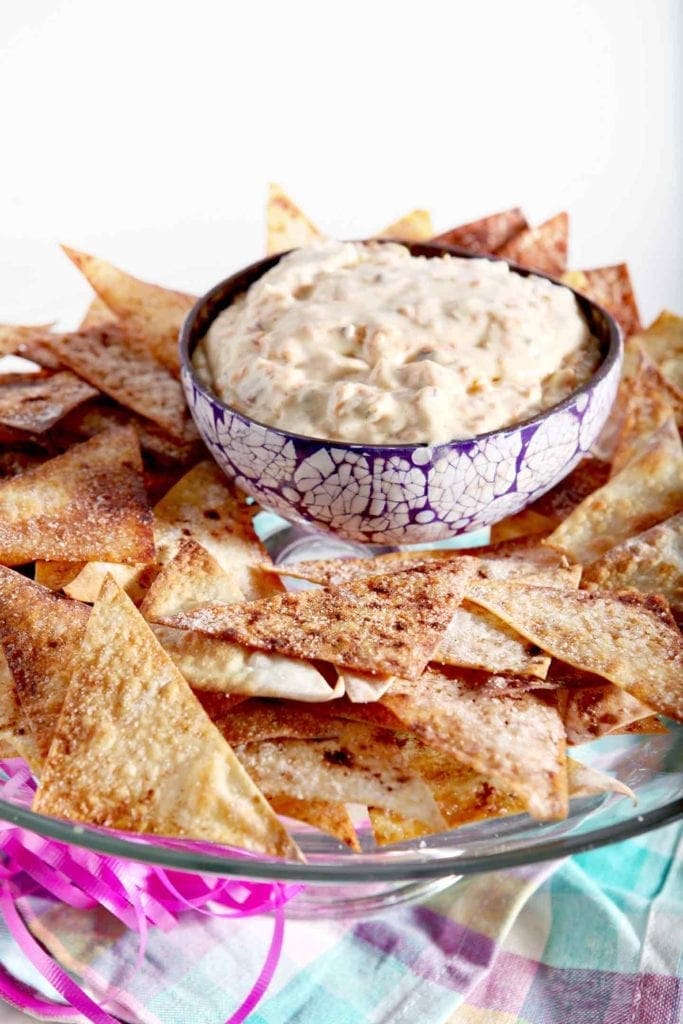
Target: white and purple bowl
<point>399,494</point>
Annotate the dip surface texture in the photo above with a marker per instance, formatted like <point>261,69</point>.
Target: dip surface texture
<point>365,343</point>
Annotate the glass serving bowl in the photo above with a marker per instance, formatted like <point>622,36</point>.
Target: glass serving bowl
<point>340,881</point>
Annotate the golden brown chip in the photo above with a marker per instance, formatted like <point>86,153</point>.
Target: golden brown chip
<point>477,639</point>
<point>88,503</point>
<point>517,742</point>
<point>362,688</point>
<point>193,577</point>
<point>587,781</point>
<point>548,511</point>
<point>33,403</point>
<point>651,562</point>
<point>255,720</point>
<point>98,314</point>
<point>16,339</point>
<point>486,235</point>
<point>650,726</point>
<point>627,638</point>
<point>205,507</point>
<point>362,765</point>
<point>543,248</point>
<point>95,416</point>
<point>611,288</point>
<point>128,706</point>
<point>663,342</point>
<point>39,632</point>
<point>104,357</point>
<point>324,815</point>
<point>648,490</point>
<point>416,226</point>
<point>594,711</point>
<point>150,314</point>
<point>381,624</point>
<point>15,728</point>
<point>643,407</point>
<point>287,227</point>
<point>56,575</point>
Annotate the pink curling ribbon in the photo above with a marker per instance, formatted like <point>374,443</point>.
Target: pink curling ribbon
<point>142,896</point>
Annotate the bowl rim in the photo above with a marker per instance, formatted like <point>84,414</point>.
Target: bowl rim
<point>222,294</point>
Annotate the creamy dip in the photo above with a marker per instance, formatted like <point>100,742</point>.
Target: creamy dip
<point>363,342</point>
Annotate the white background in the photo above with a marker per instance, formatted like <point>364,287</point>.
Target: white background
<point>147,131</point>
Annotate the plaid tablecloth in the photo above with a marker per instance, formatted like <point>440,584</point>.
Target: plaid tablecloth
<point>596,939</point>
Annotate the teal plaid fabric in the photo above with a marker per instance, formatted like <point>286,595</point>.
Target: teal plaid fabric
<point>596,939</point>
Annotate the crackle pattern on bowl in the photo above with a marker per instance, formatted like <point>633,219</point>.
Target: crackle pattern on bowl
<point>407,495</point>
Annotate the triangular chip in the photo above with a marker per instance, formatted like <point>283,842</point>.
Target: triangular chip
<point>594,711</point>
<point>205,507</point>
<point>150,314</point>
<point>15,728</point>
<point>95,416</point>
<point>381,624</point>
<point>324,815</point>
<point>648,490</point>
<point>416,226</point>
<point>34,403</point>
<point>610,287</point>
<point>16,339</point>
<point>362,765</point>
<point>39,632</point>
<point>476,639</point>
<point>98,314</point>
<point>287,227</point>
<point>548,511</point>
<point>56,575</point>
<point>361,688</point>
<point>127,706</point>
<point>104,357</point>
<point>256,720</point>
<point>628,639</point>
<point>650,726</point>
<point>486,235</point>
<point>88,503</point>
<point>517,742</point>
<point>193,577</point>
<point>663,342</point>
<point>587,781</point>
<point>543,248</point>
<point>644,407</point>
<point>651,562</point>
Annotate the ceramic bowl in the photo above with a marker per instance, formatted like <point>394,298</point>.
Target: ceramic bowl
<point>399,494</point>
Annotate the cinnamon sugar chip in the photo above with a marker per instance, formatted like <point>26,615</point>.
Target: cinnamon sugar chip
<point>486,235</point>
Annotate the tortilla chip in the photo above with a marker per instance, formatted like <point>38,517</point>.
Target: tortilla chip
<point>39,632</point>
<point>104,357</point>
<point>663,342</point>
<point>15,339</point>
<point>517,742</point>
<point>287,227</point>
<point>611,288</point>
<point>88,503</point>
<point>362,765</point>
<point>648,490</point>
<point>150,314</point>
<point>528,555</point>
<point>381,624</point>
<point>416,226</point>
<point>205,507</point>
<point>476,639</point>
<point>193,577</point>
<point>486,235</point>
<point>594,711</point>
<point>587,781</point>
<point>644,407</point>
<point>33,403</point>
<point>650,726</point>
<point>651,562</point>
<point>324,815</point>
<point>548,511</point>
<point>543,248</point>
<point>56,575</point>
<point>627,638</point>
<point>127,705</point>
<point>361,688</point>
<point>95,416</point>
<point>255,720</point>
<point>15,728</point>
<point>98,314</point>
<point>14,461</point>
